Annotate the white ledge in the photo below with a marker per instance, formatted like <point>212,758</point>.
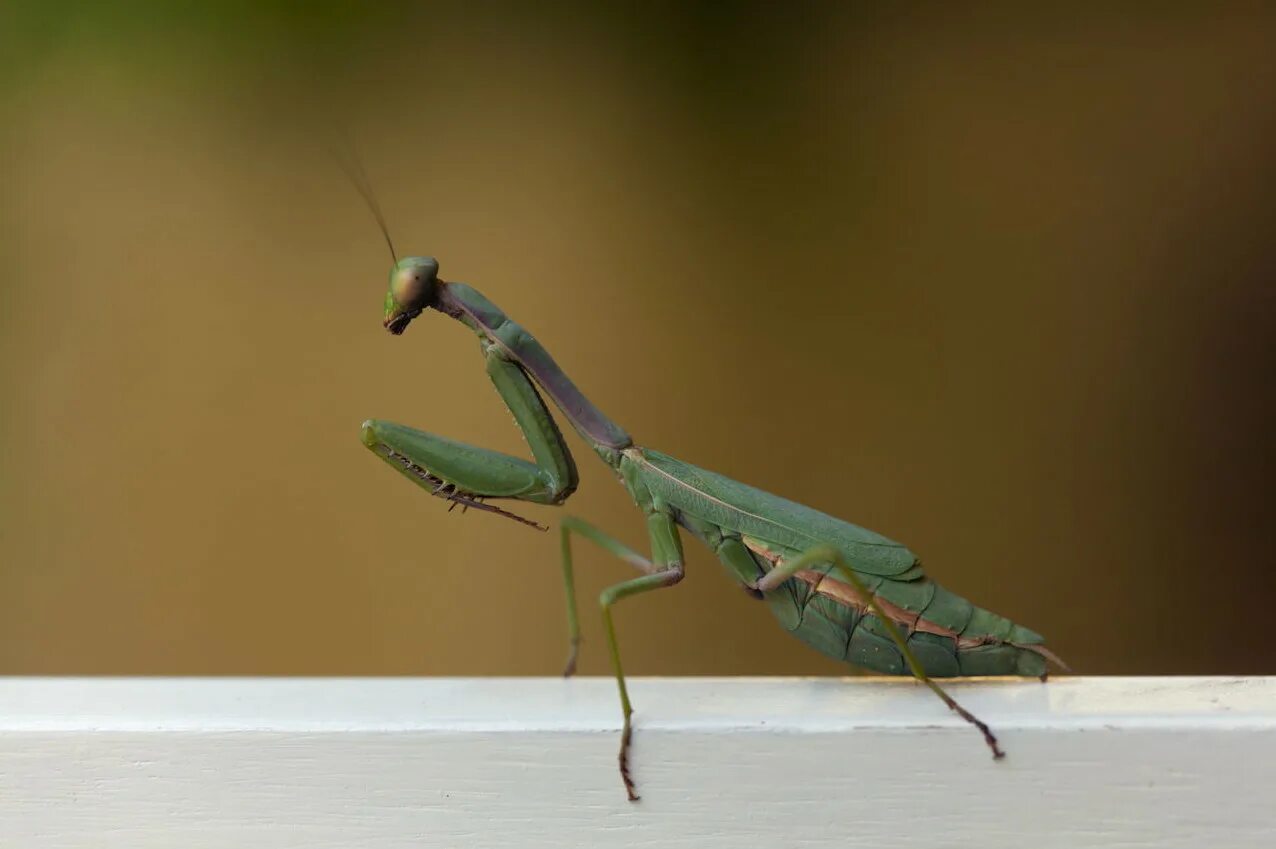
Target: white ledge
<point>530,762</point>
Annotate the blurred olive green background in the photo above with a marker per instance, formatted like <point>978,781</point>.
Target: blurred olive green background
<point>995,283</point>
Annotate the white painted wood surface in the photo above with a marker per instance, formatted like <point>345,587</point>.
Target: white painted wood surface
<point>530,762</point>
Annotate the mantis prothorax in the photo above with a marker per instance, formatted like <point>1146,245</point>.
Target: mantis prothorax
<point>850,593</point>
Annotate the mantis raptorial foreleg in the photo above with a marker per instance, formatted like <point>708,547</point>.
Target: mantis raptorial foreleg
<point>468,475</point>
<point>786,569</point>
<point>664,570</point>
<point>553,459</point>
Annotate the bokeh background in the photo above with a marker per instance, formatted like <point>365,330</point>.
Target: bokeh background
<point>996,283</point>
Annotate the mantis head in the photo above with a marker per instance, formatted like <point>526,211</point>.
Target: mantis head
<point>413,283</point>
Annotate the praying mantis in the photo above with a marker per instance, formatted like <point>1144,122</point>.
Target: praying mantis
<point>848,592</point>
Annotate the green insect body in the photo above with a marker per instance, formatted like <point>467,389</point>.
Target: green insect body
<point>751,530</point>
<point>850,593</point>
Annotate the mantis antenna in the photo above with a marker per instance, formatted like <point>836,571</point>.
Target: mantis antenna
<point>351,165</point>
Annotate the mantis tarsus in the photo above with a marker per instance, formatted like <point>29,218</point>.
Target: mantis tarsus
<point>842,589</point>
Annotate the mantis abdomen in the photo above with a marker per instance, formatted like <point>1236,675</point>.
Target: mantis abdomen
<point>829,615</point>
<point>755,533</point>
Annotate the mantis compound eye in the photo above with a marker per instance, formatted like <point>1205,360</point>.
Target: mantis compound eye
<point>412,285</point>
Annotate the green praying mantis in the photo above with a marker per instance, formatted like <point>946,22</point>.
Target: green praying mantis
<point>850,593</point>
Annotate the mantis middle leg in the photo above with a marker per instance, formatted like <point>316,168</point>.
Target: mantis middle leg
<point>664,569</point>
<point>575,524</point>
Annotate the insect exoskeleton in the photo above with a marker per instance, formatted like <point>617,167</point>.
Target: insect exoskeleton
<point>413,282</point>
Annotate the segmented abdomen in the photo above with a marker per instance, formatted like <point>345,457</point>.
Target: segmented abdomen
<point>949,635</point>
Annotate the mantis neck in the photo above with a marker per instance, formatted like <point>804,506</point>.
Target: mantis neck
<point>467,305</point>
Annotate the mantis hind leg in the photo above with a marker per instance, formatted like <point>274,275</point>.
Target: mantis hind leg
<point>664,569</point>
<point>828,554</point>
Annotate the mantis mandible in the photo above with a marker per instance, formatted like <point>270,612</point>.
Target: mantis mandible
<point>850,593</point>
